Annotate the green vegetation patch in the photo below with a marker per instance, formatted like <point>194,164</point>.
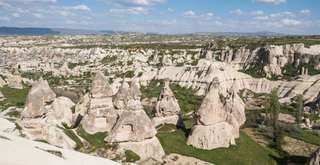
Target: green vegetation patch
<point>73,65</point>
<point>14,97</point>
<point>70,133</point>
<point>188,101</point>
<point>131,156</point>
<point>247,152</point>
<point>95,140</point>
<point>152,90</point>
<point>307,136</point>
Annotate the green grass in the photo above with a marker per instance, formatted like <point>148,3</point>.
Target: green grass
<point>73,65</point>
<point>307,136</point>
<point>14,114</point>
<point>95,140</point>
<point>152,90</point>
<point>188,101</point>
<point>131,156</point>
<point>247,152</point>
<point>74,137</point>
<point>14,97</point>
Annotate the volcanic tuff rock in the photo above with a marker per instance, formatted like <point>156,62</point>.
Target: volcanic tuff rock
<point>272,57</point>
<point>44,112</point>
<point>15,81</point>
<point>133,129</point>
<point>2,82</point>
<point>128,97</point>
<point>218,120</point>
<point>167,108</point>
<point>97,108</point>
<point>315,158</point>
<point>38,97</point>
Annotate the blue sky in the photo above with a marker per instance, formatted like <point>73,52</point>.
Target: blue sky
<point>166,16</point>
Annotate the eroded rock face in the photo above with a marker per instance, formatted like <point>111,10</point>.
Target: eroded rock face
<point>100,86</point>
<point>212,136</point>
<point>60,111</point>
<point>218,120</point>
<point>2,82</point>
<point>133,129</point>
<point>148,148</point>
<point>97,107</point>
<point>39,96</point>
<point>167,104</point>
<point>132,126</point>
<point>44,112</point>
<point>315,158</point>
<point>167,108</point>
<point>128,97</point>
<point>14,81</point>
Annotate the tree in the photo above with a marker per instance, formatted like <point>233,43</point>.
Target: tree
<point>272,113</point>
<point>299,110</point>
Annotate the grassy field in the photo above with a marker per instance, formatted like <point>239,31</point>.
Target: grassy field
<point>247,152</point>
<point>15,97</point>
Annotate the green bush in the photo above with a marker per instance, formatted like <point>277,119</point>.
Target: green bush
<point>131,156</point>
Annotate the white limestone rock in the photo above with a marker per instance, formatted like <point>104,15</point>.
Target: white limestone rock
<point>100,86</point>
<point>132,126</point>
<point>218,120</point>
<point>38,97</point>
<point>14,81</point>
<point>167,108</point>
<point>60,111</point>
<point>148,148</point>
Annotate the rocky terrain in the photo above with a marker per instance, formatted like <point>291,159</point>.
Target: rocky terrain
<point>168,101</point>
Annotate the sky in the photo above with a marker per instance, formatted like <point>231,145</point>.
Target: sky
<point>166,16</point>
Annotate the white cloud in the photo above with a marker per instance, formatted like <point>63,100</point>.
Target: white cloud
<point>138,2</point>
<point>64,13</point>
<point>79,8</point>
<point>237,12</point>
<point>189,13</point>
<point>16,15</point>
<point>37,15</point>
<point>130,10</point>
<point>210,14</point>
<point>282,14</point>
<point>258,12</point>
<point>290,22</point>
<point>305,12</point>
<point>170,10</point>
<point>4,18</point>
<point>273,2</point>
<point>262,18</point>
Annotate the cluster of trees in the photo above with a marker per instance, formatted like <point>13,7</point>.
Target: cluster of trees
<point>273,108</point>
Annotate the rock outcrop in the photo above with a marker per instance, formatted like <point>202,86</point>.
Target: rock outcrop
<point>97,107</point>
<point>2,82</point>
<point>44,113</point>
<point>14,81</point>
<point>167,108</point>
<point>133,129</point>
<point>38,97</point>
<point>315,158</point>
<point>218,120</point>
